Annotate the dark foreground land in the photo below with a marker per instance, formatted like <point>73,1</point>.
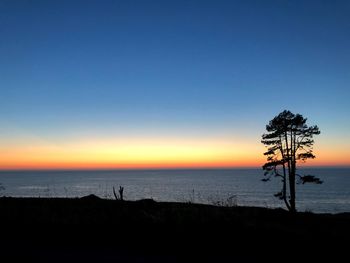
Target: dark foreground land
<point>95,230</point>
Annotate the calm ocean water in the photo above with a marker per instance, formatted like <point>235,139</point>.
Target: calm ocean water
<point>238,186</point>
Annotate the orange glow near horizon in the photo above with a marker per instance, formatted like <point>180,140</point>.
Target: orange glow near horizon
<point>143,154</point>
<point>138,154</point>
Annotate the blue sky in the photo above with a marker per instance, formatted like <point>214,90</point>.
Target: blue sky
<point>185,68</point>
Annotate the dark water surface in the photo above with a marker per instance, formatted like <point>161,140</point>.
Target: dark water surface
<point>223,186</point>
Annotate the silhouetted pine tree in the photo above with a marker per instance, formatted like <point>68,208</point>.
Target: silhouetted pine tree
<point>288,140</point>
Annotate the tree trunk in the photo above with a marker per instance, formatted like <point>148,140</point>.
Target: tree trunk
<point>293,170</point>
<point>292,192</point>
<point>285,188</point>
<point>291,175</point>
<point>292,185</point>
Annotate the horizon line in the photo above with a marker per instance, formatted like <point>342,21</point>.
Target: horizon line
<point>155,168</point>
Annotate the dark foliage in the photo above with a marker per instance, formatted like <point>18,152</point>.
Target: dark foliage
<point>309,179</point>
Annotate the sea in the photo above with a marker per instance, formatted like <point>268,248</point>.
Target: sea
<point>224,187</point>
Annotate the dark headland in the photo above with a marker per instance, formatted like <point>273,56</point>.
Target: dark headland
<point>91,229</point>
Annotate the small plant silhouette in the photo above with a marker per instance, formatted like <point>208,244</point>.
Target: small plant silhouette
<point>121,193</point>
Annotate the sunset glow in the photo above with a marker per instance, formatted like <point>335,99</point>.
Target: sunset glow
<point>135,154</point>
<point>138,154</point>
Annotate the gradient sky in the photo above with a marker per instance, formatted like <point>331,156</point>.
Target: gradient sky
<point>133,84</point>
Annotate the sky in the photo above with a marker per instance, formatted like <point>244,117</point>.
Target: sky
<point>168,84</point>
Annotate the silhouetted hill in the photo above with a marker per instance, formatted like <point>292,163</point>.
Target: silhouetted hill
<point>91,229</point>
